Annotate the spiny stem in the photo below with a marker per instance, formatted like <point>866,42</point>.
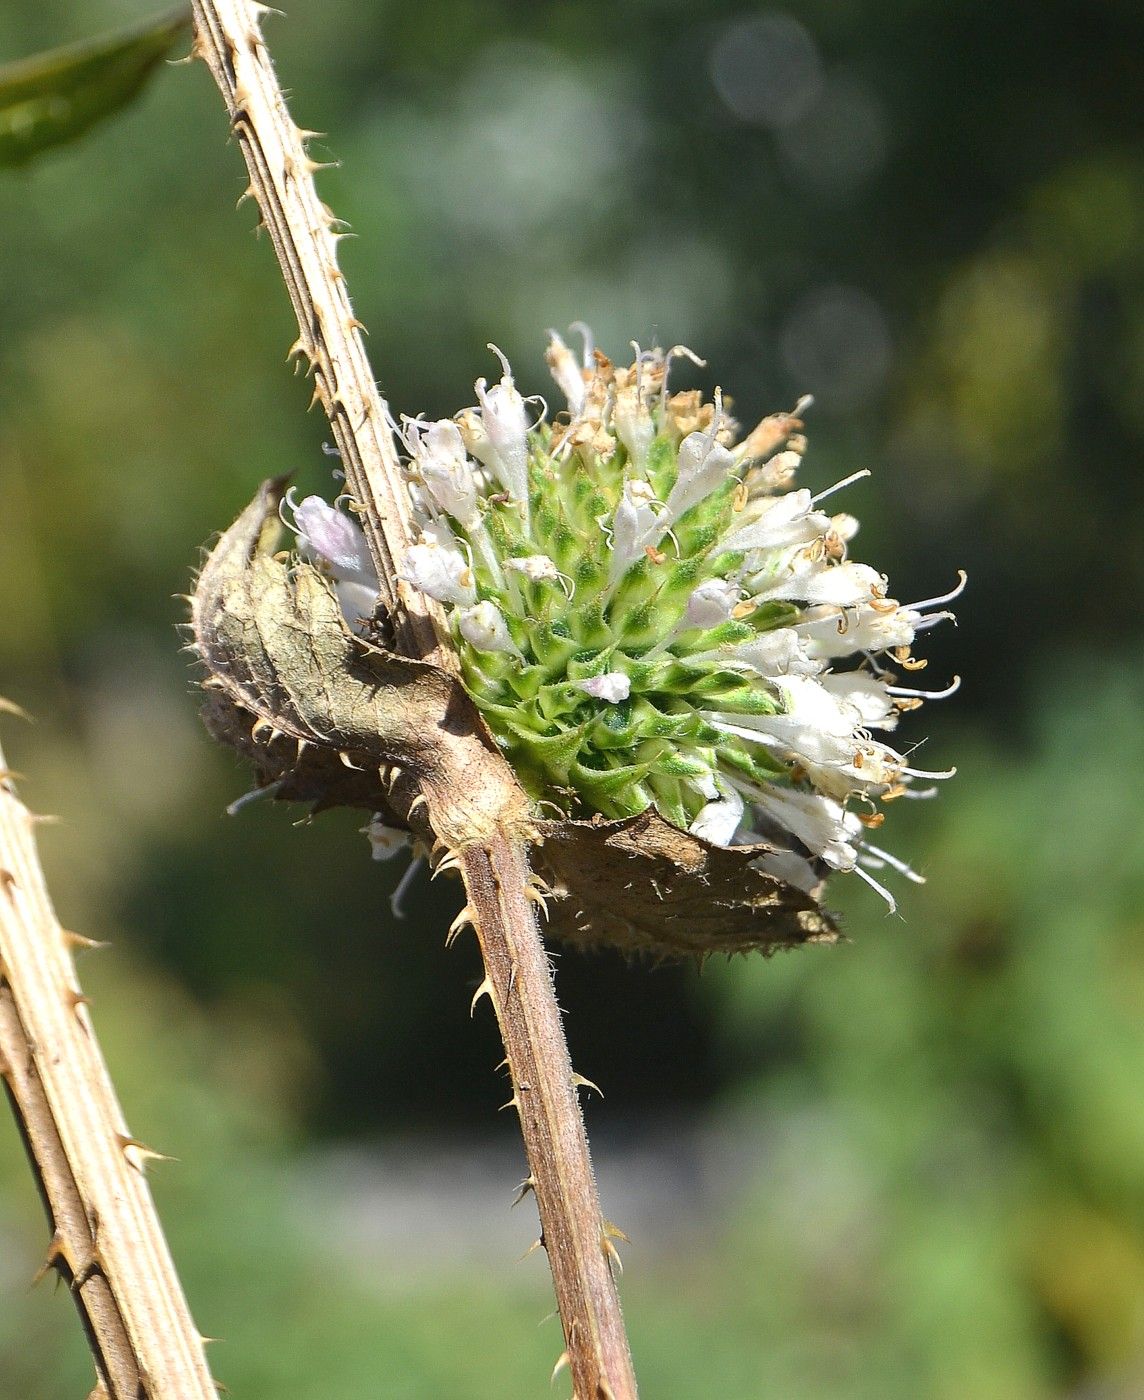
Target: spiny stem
<point>305,235</point>
<point>468,816</point>
<point>107,1242</point>
<point>574,1234</point>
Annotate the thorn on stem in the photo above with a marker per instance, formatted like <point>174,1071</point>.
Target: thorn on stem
<point>137,1154</point>
<point>55,1256</point>
<point>612,1252</point>
<point>484,990</point>
<point>75,999</point>
<point>463,920</point>
<point>77,940</point>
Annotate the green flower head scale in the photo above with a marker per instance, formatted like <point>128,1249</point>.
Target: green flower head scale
<point>649,614</point>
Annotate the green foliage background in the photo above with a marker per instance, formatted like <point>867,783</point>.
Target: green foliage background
<point>931,215</point>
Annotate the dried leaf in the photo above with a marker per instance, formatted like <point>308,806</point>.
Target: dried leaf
<point>286,670</point>
<point>52,98</point>
<point>645,886</point>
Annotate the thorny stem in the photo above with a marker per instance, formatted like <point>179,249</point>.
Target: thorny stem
<point>580,1250</point>
<point>491,852</point>
<point>107,1243</point>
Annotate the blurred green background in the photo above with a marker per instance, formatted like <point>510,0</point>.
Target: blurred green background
<point>909,1166</point>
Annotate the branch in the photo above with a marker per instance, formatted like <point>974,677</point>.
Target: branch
<point>107,1243</point>
<point>475,807</point>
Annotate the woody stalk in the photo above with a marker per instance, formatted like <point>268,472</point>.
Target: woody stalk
<point>464,799</point>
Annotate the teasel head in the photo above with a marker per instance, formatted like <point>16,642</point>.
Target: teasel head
<point>649,613</point>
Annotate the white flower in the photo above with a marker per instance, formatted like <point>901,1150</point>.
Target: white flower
<point>484,627</point>
<point>506,428</point>
<point>612,687</point>
<point>334,539</point>
<point>712,603</point>
<point>719,820</point>
<point>439,452</point>
<point>778,653</point>
<point>356,600</point>
<point>633,524</point>
<point>780,522</point>
<point>441,571</point>
<point>820,823</point>
<point>809,581</point>
<point>828,633</point>
<point>791,868</point>
<point>868,694</point>
<point>385,841</point>
<point>704,465</point>
<point>536,568</point>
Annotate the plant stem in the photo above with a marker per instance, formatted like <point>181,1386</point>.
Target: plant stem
<point>471,817</point>
<point>519,983</point>
<point>107,1242</point>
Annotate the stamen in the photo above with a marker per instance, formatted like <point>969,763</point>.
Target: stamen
<point>543,402</point>
<point>253,795</point>
<point>581,328</point>
<point>951,689</point>
<point>503,358</point>
<point>923,624</point>
<point>287,503</point>
<point>874,885</point>
<point>838,485</point>
<point>925,773</point>
<point>675,353</point>
<point>962,580</point>
<point>894,863</point>
<point>404,885</point>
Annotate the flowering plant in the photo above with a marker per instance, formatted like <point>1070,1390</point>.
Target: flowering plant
<point>649,614</point>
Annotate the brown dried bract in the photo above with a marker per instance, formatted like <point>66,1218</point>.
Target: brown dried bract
<point>646,887</point>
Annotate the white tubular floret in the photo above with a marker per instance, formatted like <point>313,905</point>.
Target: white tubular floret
<point>506,427</point>
<point>711,603</point>
<point>439,451</point>
<point>704,465</point>
<point>635,524</point>
<point>613,687</point>
<point>778,653</point>
<point>631,416</point>
<point>718,821</point>
<point>780,522</point>
<point>840,585</point>
<point>483,626</point>
<point>829,633</point>
<point>335,540</point>
<point>439,570</point>
<point>869,696</point>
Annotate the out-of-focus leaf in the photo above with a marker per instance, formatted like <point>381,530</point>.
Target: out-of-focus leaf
<point>52,98</point>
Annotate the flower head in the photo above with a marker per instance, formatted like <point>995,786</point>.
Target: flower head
<point>648,614</point>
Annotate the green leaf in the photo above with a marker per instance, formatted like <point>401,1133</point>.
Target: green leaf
<point>52,98</point>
